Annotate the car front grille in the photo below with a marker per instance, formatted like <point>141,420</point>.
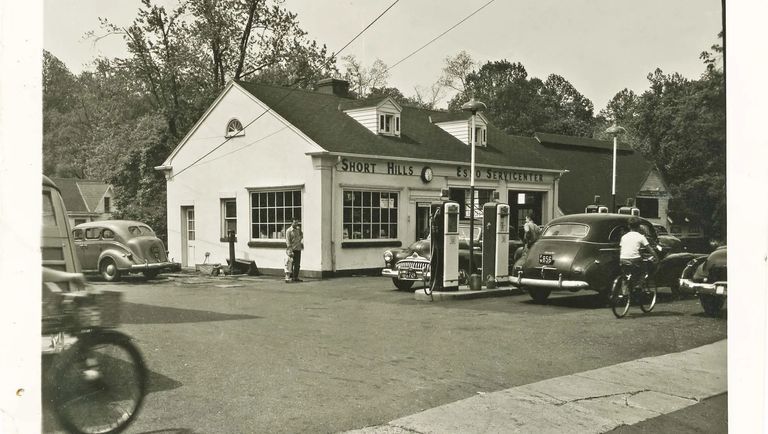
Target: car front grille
<point>414,265</point>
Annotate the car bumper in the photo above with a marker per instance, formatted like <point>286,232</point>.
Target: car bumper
<point>418,275</point>
<point>688,286</point>
<point>388,272</point>
<point>560,284</point>
<point>155,266</point>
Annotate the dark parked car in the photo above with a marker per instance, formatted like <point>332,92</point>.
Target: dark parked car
<point>406,266</point>
<point>116,247</point>
<point>581,251</point>
<point>668,241</point>
<point>707,277</point>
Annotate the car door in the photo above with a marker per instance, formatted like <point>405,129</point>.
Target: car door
<point>90,249</point>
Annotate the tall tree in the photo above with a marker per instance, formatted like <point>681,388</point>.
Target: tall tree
<point>679,124</point>
<point>521,105</point>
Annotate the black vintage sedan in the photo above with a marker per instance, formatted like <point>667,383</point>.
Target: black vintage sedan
<point>707,277</point>
<point>406,266</point>
<point>581,252</point>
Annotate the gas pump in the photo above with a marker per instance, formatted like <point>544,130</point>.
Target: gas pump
<point>444,234</point>
<point>495,243</point>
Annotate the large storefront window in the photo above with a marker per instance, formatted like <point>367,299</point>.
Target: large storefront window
<point>370,215</point>
<point>273,211</point>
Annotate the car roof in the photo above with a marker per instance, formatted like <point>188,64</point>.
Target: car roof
<point>48,183</point>
<point>601,223</point>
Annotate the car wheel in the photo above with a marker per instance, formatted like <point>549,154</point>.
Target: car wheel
<point>711,304</point>
<point>108,270</point>
<point>402,285</point>
<point>151,274</point>
<point>539,295</point>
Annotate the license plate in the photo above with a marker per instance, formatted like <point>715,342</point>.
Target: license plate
<point>407,274</point>
<point>546,259</point>
<point>720,289</point>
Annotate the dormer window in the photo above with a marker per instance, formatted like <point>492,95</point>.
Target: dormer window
<point>389,124</point>
<point>379,115</point>
<point>235,128</point>
<point>481,135</point>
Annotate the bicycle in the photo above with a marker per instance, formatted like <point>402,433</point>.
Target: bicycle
<point>622,296</point>
<point>99,381</point>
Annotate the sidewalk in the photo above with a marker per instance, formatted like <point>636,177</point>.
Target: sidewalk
<point>594,401</point>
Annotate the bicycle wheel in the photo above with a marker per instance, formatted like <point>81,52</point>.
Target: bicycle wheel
<point>620,296</point>
<point>100,383</point>
<point>647,297</point>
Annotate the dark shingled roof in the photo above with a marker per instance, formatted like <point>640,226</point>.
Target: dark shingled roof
<point>590,172</point>
<point>583,142</point>
<point>81,195</point>
<point>73,199</point>
<point>319,116</point>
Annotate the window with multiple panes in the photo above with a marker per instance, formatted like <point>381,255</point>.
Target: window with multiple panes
<point>234,128</point>
<point>107,205</point>
<point>481,135</point>
<point>228,217</point>
<point>389,123</point>
<point>370,215</point>
<point>273,211</point>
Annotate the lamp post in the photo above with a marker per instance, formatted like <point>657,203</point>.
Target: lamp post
<point>614,130</point>
<point>473,106</point>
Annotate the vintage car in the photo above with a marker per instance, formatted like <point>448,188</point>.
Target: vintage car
<point>707,277</point>
<point>406,266</point>
<point>671,243</point>
<point>115,247</point>
<point>581,251</point>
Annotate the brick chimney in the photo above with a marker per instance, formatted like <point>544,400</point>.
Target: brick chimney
<point>333,86</point>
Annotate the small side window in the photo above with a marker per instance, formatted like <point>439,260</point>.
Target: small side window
<point>617,233</point>
<point>92,233</point>
<point>78,234</point>
<point>108,234</point>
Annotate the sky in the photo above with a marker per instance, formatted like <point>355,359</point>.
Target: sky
<point>599,46</point>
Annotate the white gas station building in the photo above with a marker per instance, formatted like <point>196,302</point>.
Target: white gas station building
<point>359,175</point>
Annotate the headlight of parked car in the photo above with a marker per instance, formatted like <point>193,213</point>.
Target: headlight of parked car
<point>387,256</point>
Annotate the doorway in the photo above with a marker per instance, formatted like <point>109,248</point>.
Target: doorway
<point>521,203</point>
<point>423,216</point>
<point>187,236</point>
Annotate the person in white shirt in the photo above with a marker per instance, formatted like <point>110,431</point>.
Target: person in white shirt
<point>630,257</point>
<point>294,240</point>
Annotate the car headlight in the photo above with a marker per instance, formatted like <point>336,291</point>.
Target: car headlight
<point>387,256</point>
<point>578,270</point>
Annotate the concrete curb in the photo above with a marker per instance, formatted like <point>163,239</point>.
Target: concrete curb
<point>594,401</point>
<point>464,293</point>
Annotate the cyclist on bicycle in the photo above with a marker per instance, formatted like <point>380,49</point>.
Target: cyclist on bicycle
<point>630,258</point>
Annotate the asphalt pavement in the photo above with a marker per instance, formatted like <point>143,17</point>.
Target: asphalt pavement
<point>255,355</point>
<point>595,401</point>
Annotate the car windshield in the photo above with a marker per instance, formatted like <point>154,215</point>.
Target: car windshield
<point>464,232</point>
<point>661,230</point>
<point>138,231</point>
<point>574,230</point>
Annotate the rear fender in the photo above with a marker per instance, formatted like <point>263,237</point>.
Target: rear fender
<point>119,256</point>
